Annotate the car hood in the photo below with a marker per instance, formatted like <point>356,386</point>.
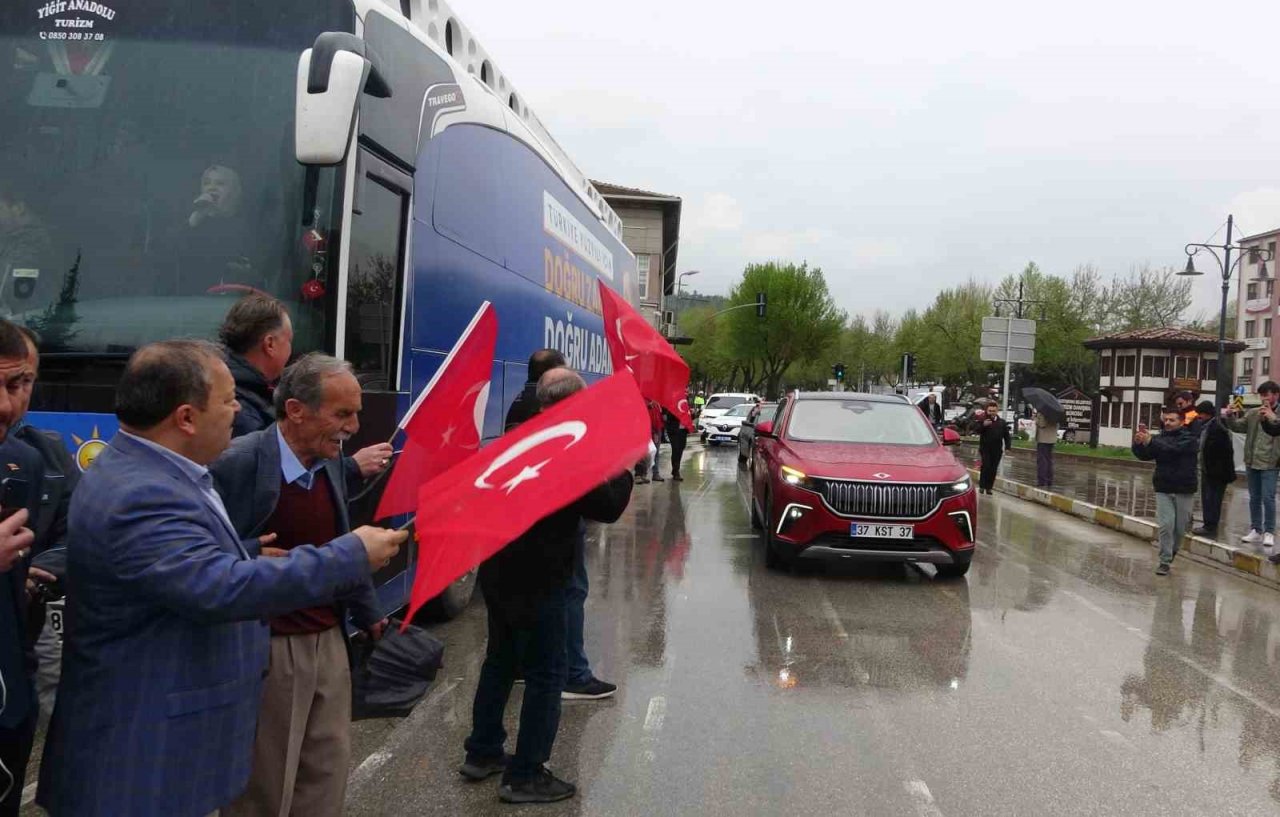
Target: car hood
<point>725,421</point>
<point>900,463</point>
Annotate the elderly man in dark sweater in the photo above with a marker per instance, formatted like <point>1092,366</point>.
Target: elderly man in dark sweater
<point>1175,452</point>
<point>524,590</point>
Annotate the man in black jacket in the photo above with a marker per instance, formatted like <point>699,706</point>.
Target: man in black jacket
<point>258,336</point>
<point>1217,466</point>
<point>1174,452</point>
<point>42,457</point>
<point>524,590</point>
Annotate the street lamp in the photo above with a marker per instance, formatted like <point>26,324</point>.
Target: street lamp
<point>1225,266</point>
<point>680,281</point>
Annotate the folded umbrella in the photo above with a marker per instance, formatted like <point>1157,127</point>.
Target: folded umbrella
<point>1045,403</point>
<point>392,675</point>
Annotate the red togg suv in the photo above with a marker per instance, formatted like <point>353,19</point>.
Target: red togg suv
<point>860,476</point>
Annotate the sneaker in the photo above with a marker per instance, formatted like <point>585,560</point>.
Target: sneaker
<point>593,690</point>
<point>656,478</point>
<point>677,478</point>
<point>1208,533</point>
<point>1251,537</point>
<point>1268,540</point>
<point>476,769</point>
<point>1162,570</point>
<point>642,480</point>
<point>544,788</point>
<point>1274,558</point>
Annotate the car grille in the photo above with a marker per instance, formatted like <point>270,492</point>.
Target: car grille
<point>882,501</point>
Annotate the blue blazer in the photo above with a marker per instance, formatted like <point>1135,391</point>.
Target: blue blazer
<point>165,642</point>
<point>248,476</point>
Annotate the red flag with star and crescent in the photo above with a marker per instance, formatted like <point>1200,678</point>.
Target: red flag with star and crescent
<point>635,345</point>
<point>446,422</point>
<point>476,508</point>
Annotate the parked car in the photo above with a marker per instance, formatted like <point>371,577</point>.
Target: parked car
<point>718,404</point>
<point>747,433</point>
<point>724,429</point>
<point>863,477</point>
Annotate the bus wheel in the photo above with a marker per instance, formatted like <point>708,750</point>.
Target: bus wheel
<point>452,601</point>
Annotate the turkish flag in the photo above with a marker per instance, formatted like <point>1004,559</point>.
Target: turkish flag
<point>445,424</point>
<point>476,508</point>
<point>635,345</point>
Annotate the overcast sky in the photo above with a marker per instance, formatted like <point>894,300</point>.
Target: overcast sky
<point>906,147</point>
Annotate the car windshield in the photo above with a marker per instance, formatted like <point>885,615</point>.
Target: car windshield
<point>739,411</point>
<point>724,401</point>
<point>859,421</point>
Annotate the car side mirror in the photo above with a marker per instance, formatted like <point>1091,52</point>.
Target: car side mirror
<point>950,436</point>
<point>331,76</point>
<point>764,428</point>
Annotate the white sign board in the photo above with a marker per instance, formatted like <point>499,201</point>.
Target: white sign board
<point>1001,325</point>
<point>1017,340</point>
<point>995,354</point>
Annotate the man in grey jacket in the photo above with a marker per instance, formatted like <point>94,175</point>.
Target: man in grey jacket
<point>1261,458</point>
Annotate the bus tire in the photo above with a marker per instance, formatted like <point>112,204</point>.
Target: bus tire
<point>453,600</point>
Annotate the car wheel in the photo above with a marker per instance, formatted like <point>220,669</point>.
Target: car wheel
<point>774,558</point>
<point>704,439</point>
<point>755,514</point>
<point>955,571</point>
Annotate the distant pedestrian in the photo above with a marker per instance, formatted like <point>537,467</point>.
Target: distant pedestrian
<point>993,440</point>
<point>1185,403</point>
<point>677,435</point>
<point>1217,466</point>
<point>655,431</point>
<point>1175,452</point>
<point>1261,458</point>
<point>1046,439</point>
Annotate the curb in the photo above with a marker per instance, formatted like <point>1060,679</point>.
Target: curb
<point>1030,453</point>
<point>1244,562</point>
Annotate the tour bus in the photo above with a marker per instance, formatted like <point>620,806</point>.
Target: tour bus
<point>366,163</point>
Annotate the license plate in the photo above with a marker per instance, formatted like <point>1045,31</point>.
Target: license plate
<point>859,530</point>
<point>722,438</point>
<point>55,614</point>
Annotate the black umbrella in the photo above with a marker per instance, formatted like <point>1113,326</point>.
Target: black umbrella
<point>392,675</point>
<point>1045,403</point>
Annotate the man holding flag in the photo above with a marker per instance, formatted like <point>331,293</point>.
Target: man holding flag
<point>524,583</point>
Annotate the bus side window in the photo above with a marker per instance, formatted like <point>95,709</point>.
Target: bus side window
<point>375,289</point>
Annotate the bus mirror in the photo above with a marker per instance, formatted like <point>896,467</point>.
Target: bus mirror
<point>331,76</point>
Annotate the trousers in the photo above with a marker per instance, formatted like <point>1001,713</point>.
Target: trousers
<point>575,601</point>
<point>538,646</point>
<point>1044,465</point>
<point>990,467</point>
<point>1211,496</point>
<point>303,747</point>
<point>1262,499</point>
<point>678,440</point>
<point>1173,514</point>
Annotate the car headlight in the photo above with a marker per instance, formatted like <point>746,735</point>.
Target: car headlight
<point>960,486</point>
<point>794,476</point>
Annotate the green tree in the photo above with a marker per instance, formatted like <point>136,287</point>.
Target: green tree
<point>1146,297</point>
<point>1067,314</point>
<point>949,336</point>
<point>801,323</point>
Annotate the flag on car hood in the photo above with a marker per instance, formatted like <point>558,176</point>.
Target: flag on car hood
<point>635,346</point>
<point>474,509</point>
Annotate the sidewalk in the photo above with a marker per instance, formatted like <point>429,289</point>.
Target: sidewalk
<point>1121,488</point>
<point>1121,497</point>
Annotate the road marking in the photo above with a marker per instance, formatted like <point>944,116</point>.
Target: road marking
<point>1116,738</point>
<point>372,762</point>
<point>923,798</point>
<point>743,536</point>
<point>656,715</point>
<point>29,794</point>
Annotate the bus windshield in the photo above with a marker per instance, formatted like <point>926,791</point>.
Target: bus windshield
<point>147,176</point>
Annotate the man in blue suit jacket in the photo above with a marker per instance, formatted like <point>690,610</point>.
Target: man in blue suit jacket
<point>165,643</point>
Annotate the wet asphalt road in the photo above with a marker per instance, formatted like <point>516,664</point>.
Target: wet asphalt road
<point>1061,677</point>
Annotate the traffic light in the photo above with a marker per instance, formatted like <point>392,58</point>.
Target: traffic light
<point>909,365</point>
<point>837,371</point>
<point>760,304</point>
